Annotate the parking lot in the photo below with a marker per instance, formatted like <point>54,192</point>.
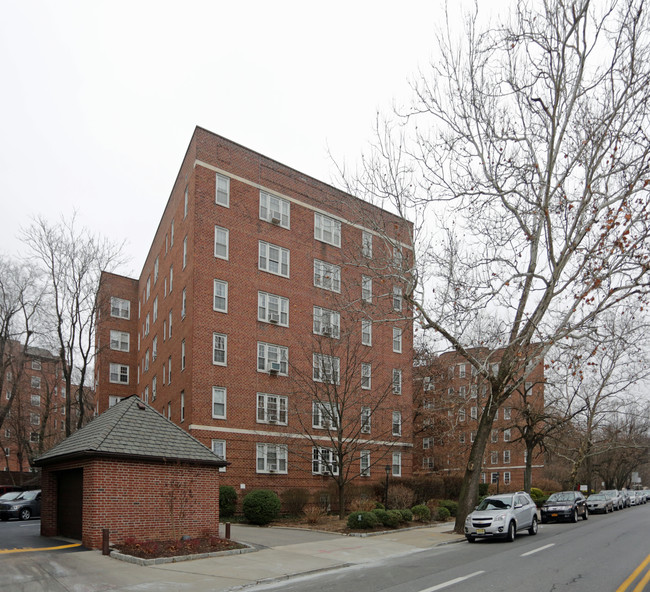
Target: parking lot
<point>18,535</point>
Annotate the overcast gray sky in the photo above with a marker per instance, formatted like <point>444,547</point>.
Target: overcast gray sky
<point>100,98</point>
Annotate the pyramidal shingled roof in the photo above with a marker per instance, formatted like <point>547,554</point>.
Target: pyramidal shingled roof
<point>132,429</point>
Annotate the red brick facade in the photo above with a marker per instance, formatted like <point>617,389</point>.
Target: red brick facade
<point>182,267</point>
<point>141,499</point>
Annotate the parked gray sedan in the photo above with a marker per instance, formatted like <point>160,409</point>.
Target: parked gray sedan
<point>599,502</point>
<point>26,505</point>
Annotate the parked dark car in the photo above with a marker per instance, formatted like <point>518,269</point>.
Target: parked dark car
<point>23,507</point>
<point>564,505</point>
<point>599,502</point>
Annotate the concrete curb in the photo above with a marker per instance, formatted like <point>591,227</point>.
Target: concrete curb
<point>179,558</point>
<point>391,531</point>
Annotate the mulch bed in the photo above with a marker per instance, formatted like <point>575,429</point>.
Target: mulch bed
<point>175,548</point>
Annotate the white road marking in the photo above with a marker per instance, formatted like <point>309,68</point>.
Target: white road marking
<point>536,550</point>
<point>452,582</point>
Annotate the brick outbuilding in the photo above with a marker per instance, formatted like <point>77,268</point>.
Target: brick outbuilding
<point>133,472</point>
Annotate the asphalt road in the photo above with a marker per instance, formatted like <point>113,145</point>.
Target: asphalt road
<point>18,534</point>
<point>596,555</point>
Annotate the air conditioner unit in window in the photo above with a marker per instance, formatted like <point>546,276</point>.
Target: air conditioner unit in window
<point>274,317</point>
<point>324,470</point>
<point>365,429</point>
<point>327,330</point>
<point>273,468</point>
<point>273,419</point>
<point>274,367</point>
<point>275,219</point>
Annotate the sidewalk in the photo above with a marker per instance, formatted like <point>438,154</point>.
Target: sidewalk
<point>283,553</point>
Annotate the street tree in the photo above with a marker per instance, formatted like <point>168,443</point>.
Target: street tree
<point>72,259</point>
<point>524,162</point>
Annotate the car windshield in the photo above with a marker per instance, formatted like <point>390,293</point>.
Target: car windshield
<point>563,496</point>
<point>597,496</point>
<point>495,503</point>
<point>28,495</point>
<point>12,495</point>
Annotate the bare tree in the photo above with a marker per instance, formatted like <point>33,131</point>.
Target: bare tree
<point>526,150</point>
<point>72,259</point>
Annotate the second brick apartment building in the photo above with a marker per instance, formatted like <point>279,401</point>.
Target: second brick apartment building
<point>267,321</point>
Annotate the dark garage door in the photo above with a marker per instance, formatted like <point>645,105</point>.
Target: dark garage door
<point>69,503</point>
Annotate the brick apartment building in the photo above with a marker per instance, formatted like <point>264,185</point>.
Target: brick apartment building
<point>33,389</point>
<point>268,322</point>
<point>449,398</point>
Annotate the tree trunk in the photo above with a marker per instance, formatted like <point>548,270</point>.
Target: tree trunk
<point>341,488</point>
<point>528,470</point>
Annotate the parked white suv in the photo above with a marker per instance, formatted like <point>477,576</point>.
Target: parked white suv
<point>502,516</point>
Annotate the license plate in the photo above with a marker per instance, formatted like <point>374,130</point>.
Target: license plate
<point>480,531</point>
<point>554,515</point>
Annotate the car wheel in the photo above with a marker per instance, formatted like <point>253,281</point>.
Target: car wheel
<point>585,516</point>
<point>25,514</point>
<point>512,532</point>
<point>533,527</point>
<point>574,516</point>
<point>470,539</point>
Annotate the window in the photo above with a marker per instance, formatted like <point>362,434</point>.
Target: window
<point>398,258</point>
<point>366,420</point>
<point>146,361</point>
<point>273,309</point>
<point>397,423</point>
<point>496,414</point>
<point>494,436</point>
<point>397,381</point>
<point>273,259</point>
<point>36,400</point>
<point>428,384</point>
<point>219,349</point>
<point>324,462</point>
<point>397,464</point>
<point>146,325</point>
<point>494,478</point>
<point>427,443</point>
<point>484,390</point>
<point>171,236</point>
<point>450,391</point>
<point>218,402</point>
<point>154,388</point>
<point>397,298</point>
<point>182,355</point>
<point>483,478</point>
<point>36,365</point>
<point>326,322</point>
<point>184,303</point>
<point>366,244</point>
<point>271,458</point>
<point>170,324</point>
<point>120,341</point>
<point>186,199</point>
<point>169,411</point>
<point>154,349</point>
<point>528,388</point>
<point>146,394</point>
<point>494,458</point>
<point>495,369</point>
<point>461,415</point>
<point>327,276</point>
<point>169,370</point>
<point>7,433</point>
<point>272,358</point>
<point>184,251</point>
<point>327,229</point>
<point>155,270</point>
<point>119,373</point>
<point>366,376</point>
<point>427,463</point>
<point>473,390</point>
<point>34,419</point>
<point>219,448</point>
<point>182,406</point>
<point>220,297</point>
<point>324,415</point>
<point>120,308</point>
<point>171,278</point>
<point>473,412</point>
<point>222,192</point>
<point>506,457</point>
<point>7,451</point>
<point>326,368</point>
<point>397,340</point>
<point>507,413</point>
<point>366,332</point>
<point>461,438</point>
<point>472,435</point>
<point>271,409</point>
<point>274,209</point>
<point>366,288</point>
<point>462,392</point>
<point>506,435</point>
<point>221,238</point>
<point>364,459</point>
<point>506,477</point>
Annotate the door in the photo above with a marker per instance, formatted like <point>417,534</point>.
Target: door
<point>69,503</point>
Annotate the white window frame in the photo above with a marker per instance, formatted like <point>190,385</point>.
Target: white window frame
<point>120,340</point>
<point>171,278</point>
<point>186,199</point>
<point>506,457</point>
<point>220,292</point>
<point>182,406</point>
<point>184,303</point>
<point>274,259</point>
<point>462,370</point>
<point>366,376</point>
<point>154,348</point>
<point>169,333</point>
<point>36,365</point>
<point>219,397</point>
<point>397,340</point>
<point>397,381</point>
<point>268,354</point>
<point>35,400</point>
<point>326,369</point>
<point>494,436</point>
<point>272,409</point>
<point>154,387</point>
<point>366,244</point>
<point>494,457</point>
<point>272,308</point>
<point>182,355</point>
<point>119,374</point>
<point>224,190</point>
<point>461,415</point>
<point>461,437</point>
<point>271,458</point>
<point>364,463</point>
<point>397,298</point>
<point>324,416</point>
<point>366,288</point>
<point>120,308</point>
<point>327,229</point>
<point>473,412</point>
<point>275,210</point>
<point>156,265</point>
<point>185,252</point>
<point>218,447</point>
<point>506,477</point>
<point>324,461</point>
<point>219,339</point>
<point>327,276</point>
<point>366,420</point>
<point>397,423</point>
<point>327,322</point>
<point>507,413</point>
<point>397,464</point>
<point>154,312</point>
<point>221,242</point>
<point>366,332</point>
<point>506,435</point>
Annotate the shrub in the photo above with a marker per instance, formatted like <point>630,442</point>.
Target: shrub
<point>314,513</point>
<point>407,515</point>
<point>400,496</point>
<point>380,506</point>
<point>381,514</point>
<point>393,518</point>
<point>227,501</point>
<point>536,492</point>
<point>361,520</point>
<point>421,513</point>
<point>362,505</point>
<point>442,514</point>
<point>451,505</point>
<point>425,488</point>
<point>294,500</point>
<point>261,506</point>
<point>483,489</point>
<point>453,485</point>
